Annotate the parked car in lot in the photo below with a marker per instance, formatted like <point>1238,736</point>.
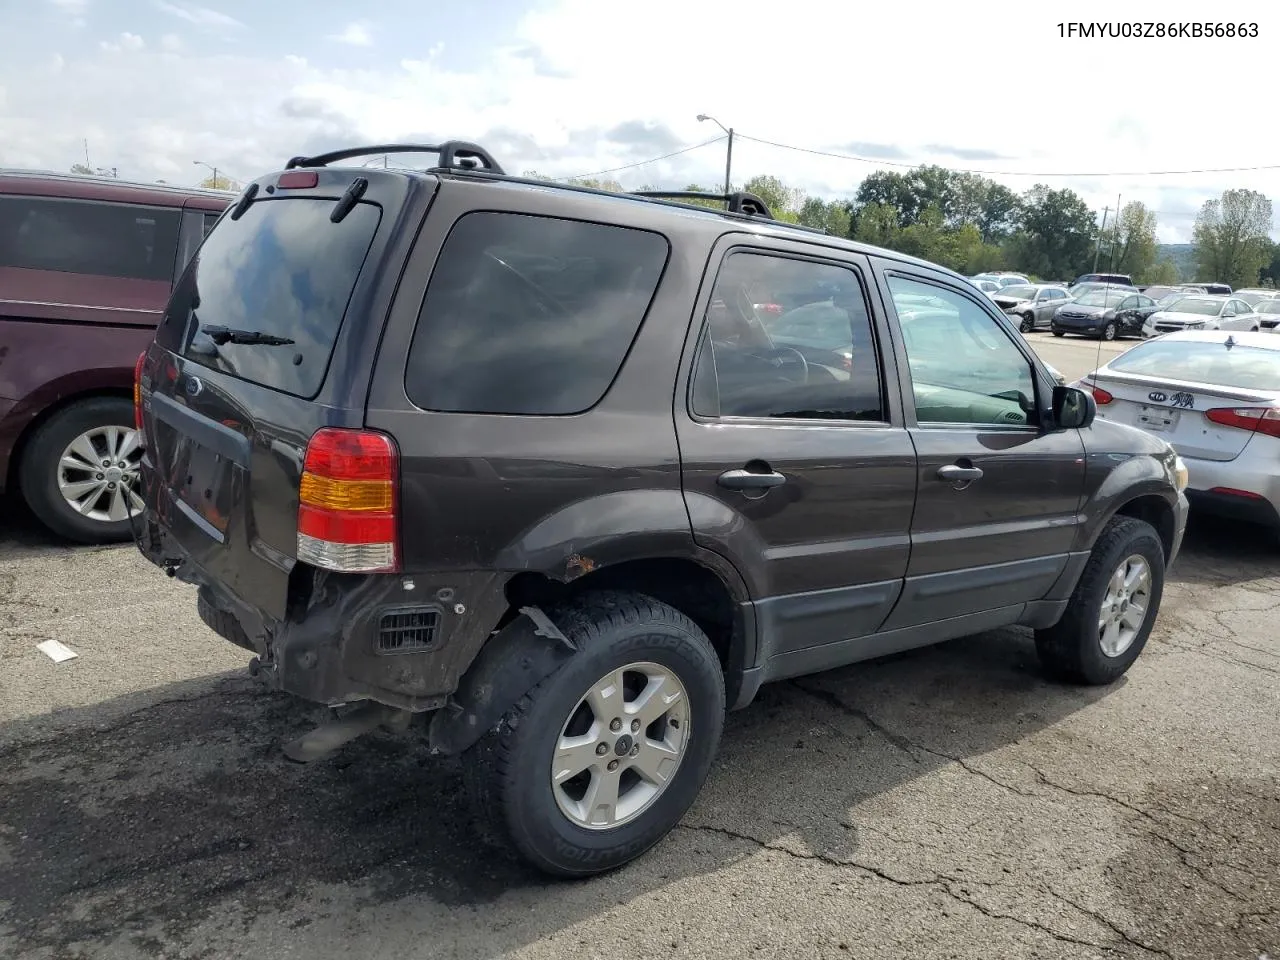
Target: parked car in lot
<point>985,284</point>
<point>1032,305</point>
<point>1116,279</point>
<point>1158,292</point>
<point>1214,395</point>
<point>1268,313</point>
<point>1205,312</point>
<point>1106,313</point>
<point>86,265</point>
<point>1255,296</point>
<point>1216,289</point>
<point>1080,289</point>
<point>526,458</point>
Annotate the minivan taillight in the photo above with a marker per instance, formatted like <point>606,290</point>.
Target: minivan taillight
<point>137,392</point>
<point>347,502</point>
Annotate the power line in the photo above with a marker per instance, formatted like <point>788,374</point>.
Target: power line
<point>1005,173</point>
<point>641,163</point>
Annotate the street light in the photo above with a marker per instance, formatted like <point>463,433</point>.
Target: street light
<point>201,163</point>
<point>728,158</point>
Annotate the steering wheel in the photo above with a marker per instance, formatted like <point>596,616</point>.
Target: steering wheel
<point>804,364</point>
<point>746,309</point>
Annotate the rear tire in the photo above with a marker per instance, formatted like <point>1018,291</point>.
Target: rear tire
<point>518,777</point>
<point>1028,323</point>
<point>105,424</point>
<point>1082,647</point>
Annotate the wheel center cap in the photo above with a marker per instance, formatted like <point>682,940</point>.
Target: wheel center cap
<point>113,474</point>
<point>623,746</point>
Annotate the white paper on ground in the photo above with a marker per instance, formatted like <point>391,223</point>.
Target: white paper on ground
<point>55,651</point>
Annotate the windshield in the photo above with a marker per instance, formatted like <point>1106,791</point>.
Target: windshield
<point>1267,306</point>
<point>1204,308</point>
<point>1100,298</point>
<point>1253,299</point>
<point>1242,368</point>
<point>1019,292</point>
<point>283,269</point>
<point>1168,299</point>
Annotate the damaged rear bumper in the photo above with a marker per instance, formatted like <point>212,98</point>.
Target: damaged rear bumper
<point>402,640</point>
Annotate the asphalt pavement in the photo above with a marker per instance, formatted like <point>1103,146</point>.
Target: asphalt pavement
<point>946,803</point>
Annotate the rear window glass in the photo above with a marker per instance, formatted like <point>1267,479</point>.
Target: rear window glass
<point>530,315</point>
<point>88,237</point>
<point>1244,368</point>
<point>284,270</point>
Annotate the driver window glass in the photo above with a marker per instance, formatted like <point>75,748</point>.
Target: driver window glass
<point>964,369</point>
<point>789,339</point>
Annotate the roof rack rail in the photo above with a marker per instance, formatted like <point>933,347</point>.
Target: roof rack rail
<point>454,155</point>
<point>739,202</point>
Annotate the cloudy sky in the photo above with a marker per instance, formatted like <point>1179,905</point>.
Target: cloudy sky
<point>571,87</point>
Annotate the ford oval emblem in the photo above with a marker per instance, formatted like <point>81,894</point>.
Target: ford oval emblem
<point>1157,396</point>
<point>194,386</point>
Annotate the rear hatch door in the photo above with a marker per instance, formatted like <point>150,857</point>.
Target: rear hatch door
<point>270,335</point>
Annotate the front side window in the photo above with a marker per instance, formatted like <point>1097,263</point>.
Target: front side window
<point>530,315</point>
<point>814,360</point>
<point>88,237</point>
<point>964,367</point>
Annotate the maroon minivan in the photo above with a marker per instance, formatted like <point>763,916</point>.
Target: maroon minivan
<point>86,268</point>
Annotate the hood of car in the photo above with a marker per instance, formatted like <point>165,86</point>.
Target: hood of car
<point>1006,301</point>
<point>1169,316</point>
<point>1083,310</point>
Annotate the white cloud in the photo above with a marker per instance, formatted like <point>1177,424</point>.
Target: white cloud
<point>171,43</point>
<point>71,6</point>
<point>200,16</point>
<point>846,82</point>
<point>128,41</point>
<point>355,34</point>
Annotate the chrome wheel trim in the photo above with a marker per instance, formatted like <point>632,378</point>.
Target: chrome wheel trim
<point>1125,605</point>
<point>98,470</point>
<point>621,746</point>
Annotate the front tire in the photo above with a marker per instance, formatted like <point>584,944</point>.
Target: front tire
<point>1109,331</point>
<point>602,759</point>
<point>1028,323</point>
<point>80,466</point>
<point>1112,609</point>
<point>1059,333</point>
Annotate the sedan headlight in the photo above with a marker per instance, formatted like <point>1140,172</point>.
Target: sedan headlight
<point>1181,475</point>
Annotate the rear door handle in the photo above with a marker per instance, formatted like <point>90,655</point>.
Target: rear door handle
<point>747,480</point>
<point>956,473</point>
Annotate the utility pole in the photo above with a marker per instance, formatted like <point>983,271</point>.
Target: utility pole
<point>1097,246</point>
<point>728,164</point>
<point>1116,242</point>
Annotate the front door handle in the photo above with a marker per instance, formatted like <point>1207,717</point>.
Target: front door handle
<point>747,480</point>
<point>958,474</point>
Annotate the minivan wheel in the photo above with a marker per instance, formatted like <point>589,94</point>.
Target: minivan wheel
<point>1112,610</point>
<point>599,762</point>
<point>79,467</point>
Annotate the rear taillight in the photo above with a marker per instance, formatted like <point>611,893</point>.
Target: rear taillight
<point>1101,397</point>
<point>1264,420</point>
<point>347,502</point>
<point>137,392</point>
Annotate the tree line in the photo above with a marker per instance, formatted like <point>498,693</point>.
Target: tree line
<point>972,224</point>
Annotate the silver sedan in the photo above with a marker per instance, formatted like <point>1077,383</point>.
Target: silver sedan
<point>1214,395</point>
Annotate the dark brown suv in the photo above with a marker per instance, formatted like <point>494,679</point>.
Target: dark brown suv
<point>86,267</point>
<point>561,476</point>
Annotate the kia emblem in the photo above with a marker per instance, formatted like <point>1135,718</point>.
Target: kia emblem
<point>1157,396</point>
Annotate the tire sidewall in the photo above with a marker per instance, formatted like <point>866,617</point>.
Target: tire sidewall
<point>1028,323</point>
<point>38,470</point>
<point>539,828</point>
<point>1109,331</point>
<point>1096,665</point>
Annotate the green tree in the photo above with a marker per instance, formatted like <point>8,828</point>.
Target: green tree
<point>1057,233</point>
<point>878,225</point>
<point>1269,276</point>
<point>1134,241</point>
<point>219,182</point>
<point>890,189</point>
<point>84,170</point>
<point>829,216</point>
<point>1232,238</point>
<point>1163,272</point>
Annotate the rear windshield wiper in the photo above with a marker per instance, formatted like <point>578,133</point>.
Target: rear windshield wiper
<point>220,335</point>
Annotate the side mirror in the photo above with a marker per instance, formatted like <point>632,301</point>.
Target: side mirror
<point>1073,408</point>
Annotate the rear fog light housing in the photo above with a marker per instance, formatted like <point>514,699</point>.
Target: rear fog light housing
<point>347,502</point>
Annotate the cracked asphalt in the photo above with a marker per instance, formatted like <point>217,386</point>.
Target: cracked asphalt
<point>947,803</point>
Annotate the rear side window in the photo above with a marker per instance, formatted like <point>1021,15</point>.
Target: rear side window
<point>530,315</point>
<point>283,270</point>
<point>89,237</point>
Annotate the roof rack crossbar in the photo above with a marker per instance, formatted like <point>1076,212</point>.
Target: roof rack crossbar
<point>454,155</point>
<point>739,202</point>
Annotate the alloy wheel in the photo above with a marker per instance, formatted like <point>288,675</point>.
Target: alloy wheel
<point>98,470</point>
